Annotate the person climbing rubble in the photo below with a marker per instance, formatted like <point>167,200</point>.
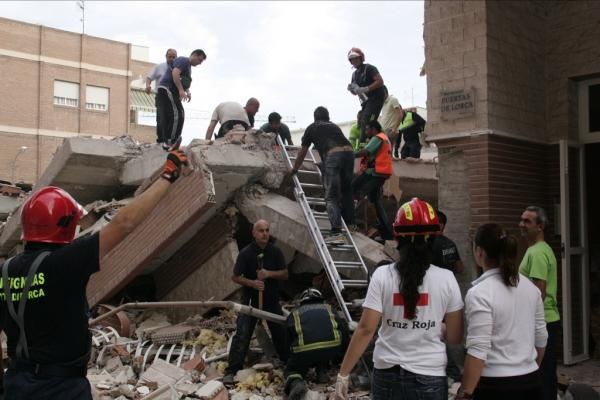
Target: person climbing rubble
<point>258,267</point>
<point>377,168</point>
<point>337,165</point>
<point>317,336</point>
<point>43,306</point>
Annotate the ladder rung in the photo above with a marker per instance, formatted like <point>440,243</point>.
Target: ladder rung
<point>309,199</point>
<point>340,247</point>
<point>358,283</point>
<point>306,171</point>
<point>305,160</point>
<point>311,185</point>
<point>319,216</point>
<point>291,147</point>
<point>352,263</point>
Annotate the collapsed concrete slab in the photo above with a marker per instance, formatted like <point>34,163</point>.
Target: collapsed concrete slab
<point>289,226</point>
<point>89,169</point>
<point>185,203</point>
<point>210,280</point>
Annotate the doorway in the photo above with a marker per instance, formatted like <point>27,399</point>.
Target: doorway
<point>592,170</point>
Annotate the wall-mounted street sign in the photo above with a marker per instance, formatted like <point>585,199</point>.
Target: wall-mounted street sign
<point>458,104</point>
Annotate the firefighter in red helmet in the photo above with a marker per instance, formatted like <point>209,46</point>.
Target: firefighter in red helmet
<point>410,301</point>
<point>367,84</point>
<point>43,307</point>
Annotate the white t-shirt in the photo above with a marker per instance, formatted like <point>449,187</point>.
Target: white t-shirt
<point>389,118</point>
<point>505,324</point>
<point>415,345</point>
<point>230,111</point>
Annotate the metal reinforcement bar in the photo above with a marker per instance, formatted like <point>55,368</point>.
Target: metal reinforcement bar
<point>231,305</point>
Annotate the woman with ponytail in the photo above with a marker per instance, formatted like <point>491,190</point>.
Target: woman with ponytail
<point>410,298</point>
<point>506,332</point>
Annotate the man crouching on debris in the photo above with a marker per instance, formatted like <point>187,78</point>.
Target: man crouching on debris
<point>317,336</point>
<point>257,268</point>
<point>43,306</point>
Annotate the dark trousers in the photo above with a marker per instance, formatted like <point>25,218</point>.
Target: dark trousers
<point>372,186</point>
<point>370,112</point>
<point>299,363</point>
<point>228,125</point>
<point>397,383</point>
<point>548,366</point>
<point>411,149</point>
<point>339,168</point>
<point>160,138</point>
<point>523,387</point>
<point>172,115</point>
<point>241,340</point>
<point>20,385</point>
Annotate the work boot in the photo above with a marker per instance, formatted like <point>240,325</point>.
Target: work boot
<point>297,390</point>
<point>335,238</point>
<point>228,379</point>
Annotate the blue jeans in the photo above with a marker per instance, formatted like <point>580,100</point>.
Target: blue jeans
<point>397,383</point>
<point>339,168</point>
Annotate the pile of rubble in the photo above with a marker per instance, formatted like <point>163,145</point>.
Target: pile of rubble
<point>160,360</point>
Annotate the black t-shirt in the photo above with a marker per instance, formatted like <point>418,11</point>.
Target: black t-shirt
<point>283,131</point>
<point>56,313</point>
<point>247,264</point>
<point>325,135</point>
<point>364,76</point>
<point>444,253</point>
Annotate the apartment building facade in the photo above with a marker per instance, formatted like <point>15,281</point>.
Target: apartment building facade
<point>57,84</point>
<point>513,99</point>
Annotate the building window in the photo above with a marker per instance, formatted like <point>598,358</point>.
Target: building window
<point>96,98</point>
<point>589,110</point>
<point>66,94</point>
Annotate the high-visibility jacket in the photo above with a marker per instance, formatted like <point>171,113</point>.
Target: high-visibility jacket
<point>313,326</point>
<point>383,158</point>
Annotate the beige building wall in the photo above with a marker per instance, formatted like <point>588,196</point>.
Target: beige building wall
<point>32,58</point>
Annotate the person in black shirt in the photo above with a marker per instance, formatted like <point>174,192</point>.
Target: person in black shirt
<point>49,343</point>
<point>444,251</point>
<point>367,84</point>
<point>276,126</point>
<point>338,166</point>
<point>257,268</point>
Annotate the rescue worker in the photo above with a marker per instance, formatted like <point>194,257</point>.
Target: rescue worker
<point>43,306</point>
<point>410,128</point>
<point>408,302</point>
<point>377,165</point>
<point>317,336</point>
<point>367,84</point>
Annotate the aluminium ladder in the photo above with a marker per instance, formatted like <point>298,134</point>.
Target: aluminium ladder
<point>337,259</point>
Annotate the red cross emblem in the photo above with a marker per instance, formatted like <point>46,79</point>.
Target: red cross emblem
<point>399,300</point>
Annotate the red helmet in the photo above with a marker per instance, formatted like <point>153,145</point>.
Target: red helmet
<point>416,217</point>
<point>356,52</point>
<point>50,215</point>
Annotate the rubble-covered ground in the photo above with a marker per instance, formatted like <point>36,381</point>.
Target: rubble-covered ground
<point>160,360</point>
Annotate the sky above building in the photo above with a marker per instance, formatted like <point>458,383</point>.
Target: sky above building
<point>289,55</point>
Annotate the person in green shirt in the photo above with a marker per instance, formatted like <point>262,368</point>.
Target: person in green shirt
<point>355,134</point>
<point>539,265</point>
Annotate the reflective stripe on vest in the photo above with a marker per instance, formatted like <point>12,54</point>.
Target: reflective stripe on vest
<point>408,121</point>
<point>383,158</point>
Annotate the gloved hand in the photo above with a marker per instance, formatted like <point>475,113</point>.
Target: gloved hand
<point>175,160</point>
<point>352,88</point>
<point>341,387</point>
<point>361,90</point>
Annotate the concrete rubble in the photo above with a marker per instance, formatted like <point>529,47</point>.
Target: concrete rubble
<point>185,251</point>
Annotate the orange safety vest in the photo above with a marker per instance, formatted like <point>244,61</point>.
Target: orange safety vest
<point>383,158</point>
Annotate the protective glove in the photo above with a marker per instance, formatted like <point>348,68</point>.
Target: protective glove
<point>361,90</point>
<point>352,88</point>
<point>175,160</point>
<point>341,387</point>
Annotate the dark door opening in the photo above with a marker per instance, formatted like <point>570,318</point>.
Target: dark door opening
<point>592,170</point>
